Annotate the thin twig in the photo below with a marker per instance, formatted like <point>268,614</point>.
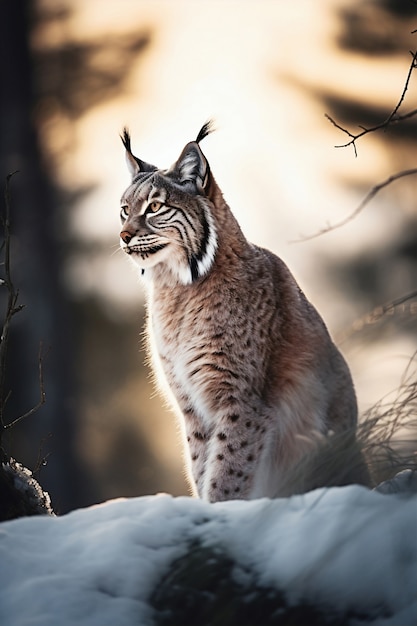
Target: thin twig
<point>393,117</point>
<point>42,398</point>
<point>369,196</point>
<point>413,66</point>
<point>42,459</point>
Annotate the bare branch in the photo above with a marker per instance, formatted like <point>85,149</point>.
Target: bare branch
<point>13,295</point>
<point>389,308</point>
<point>393,117</point>
<point>11,310</point>
<point>369,196</point>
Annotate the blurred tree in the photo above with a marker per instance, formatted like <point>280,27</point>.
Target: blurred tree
<point>377,27</point>
<point>36,259</point>
<point>35,84</point>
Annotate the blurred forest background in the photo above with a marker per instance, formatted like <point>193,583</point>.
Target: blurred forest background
<point>72,74</point>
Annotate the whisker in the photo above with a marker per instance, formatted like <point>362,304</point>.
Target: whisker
<point>117,249</point>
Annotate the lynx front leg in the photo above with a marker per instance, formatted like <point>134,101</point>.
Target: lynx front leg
<point>236,453</point>
<point>196,450</point>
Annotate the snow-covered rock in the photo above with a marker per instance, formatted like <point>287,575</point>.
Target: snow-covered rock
<point>345,556</point>
<point>20,492</point>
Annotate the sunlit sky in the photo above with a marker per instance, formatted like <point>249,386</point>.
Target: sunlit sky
<point>254,67</point>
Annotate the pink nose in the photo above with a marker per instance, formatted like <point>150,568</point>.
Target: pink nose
<point>126,236</point>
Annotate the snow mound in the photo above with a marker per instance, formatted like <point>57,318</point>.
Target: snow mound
<point>344,551</point>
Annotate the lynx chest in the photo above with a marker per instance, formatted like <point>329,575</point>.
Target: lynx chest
<point>210,349</point>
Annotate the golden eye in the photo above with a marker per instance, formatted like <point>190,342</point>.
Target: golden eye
<point>154,206</point>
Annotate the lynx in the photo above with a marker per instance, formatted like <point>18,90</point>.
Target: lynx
<point>248,361</point>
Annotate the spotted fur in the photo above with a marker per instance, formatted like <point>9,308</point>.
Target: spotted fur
<point>246,359</point>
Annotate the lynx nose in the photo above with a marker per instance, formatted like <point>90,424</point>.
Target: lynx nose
<point>126,236</point>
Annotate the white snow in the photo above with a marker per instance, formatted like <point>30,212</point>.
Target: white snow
<point>349,547</point>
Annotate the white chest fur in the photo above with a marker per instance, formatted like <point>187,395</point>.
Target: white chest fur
<point>173,355</point>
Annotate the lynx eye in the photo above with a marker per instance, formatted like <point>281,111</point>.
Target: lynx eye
<point>154,206</point>
<point>124,212</point>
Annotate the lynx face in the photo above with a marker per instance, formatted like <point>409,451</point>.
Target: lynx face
<point>166,216</point>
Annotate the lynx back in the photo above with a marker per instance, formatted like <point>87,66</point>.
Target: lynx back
<point>245,359</point>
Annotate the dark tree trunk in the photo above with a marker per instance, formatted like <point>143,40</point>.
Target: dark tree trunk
<point>36,261</point>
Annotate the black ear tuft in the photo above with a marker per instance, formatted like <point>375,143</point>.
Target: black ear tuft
<point>125,137</point>
<point>205,130</point>
<point>134,164</point>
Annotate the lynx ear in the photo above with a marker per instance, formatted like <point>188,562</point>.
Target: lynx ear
<point>192,165</point>
<point>134,164</point>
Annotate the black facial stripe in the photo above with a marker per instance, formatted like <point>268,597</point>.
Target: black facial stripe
<point>140,183</point>
<point>184,215</point>
<point>156,248</point>
<point>165,218</point>
<point>205,240</point>
<point>174,209</point>
<point>160,213</point>
<point>147,240</point>
<point>182,232</point>
<point>194,268</point>
<point>169,220</point>
<point>141,178</point>
<point>145,251</point>
<point>202,249</point>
